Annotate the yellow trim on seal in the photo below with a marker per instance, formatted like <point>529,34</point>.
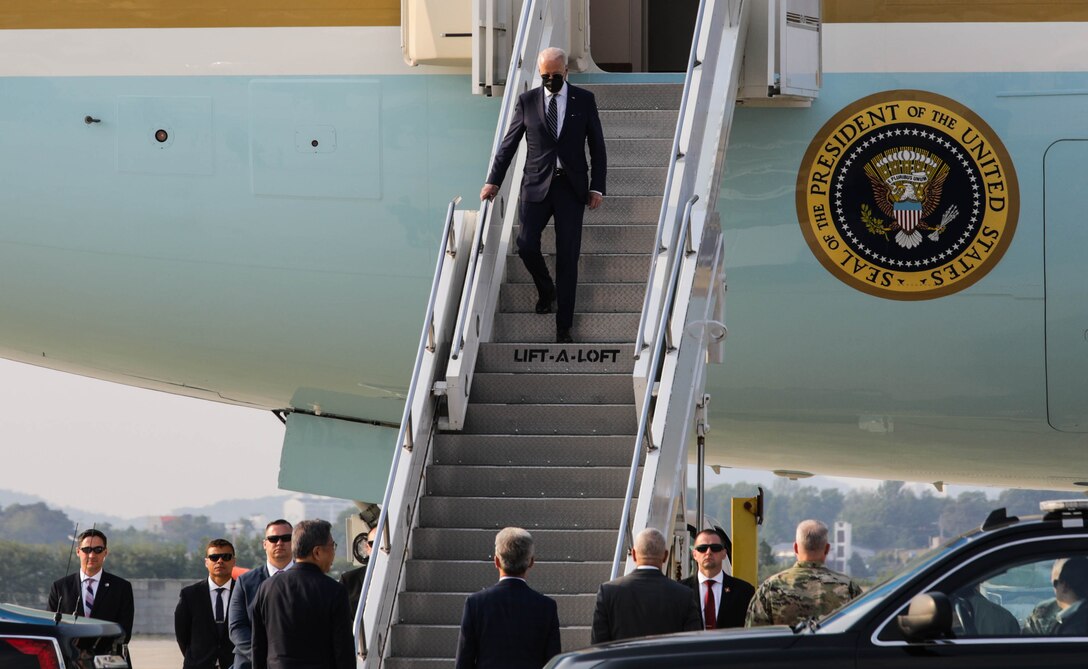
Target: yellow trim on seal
<point>62,14</point>
<point>953,11</point>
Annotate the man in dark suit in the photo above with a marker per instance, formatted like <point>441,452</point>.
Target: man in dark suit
<point>1071,592</point>
<point>352,579</point>
<point>509,625</point>
<point>726,603</point>
<point>92,592</point>
<point>200,618</point>
<point>277,548</point>
<point>557,120</point>
<point>300,617</point>
<point>645,601</point>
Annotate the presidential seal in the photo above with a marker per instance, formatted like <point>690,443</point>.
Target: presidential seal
<point>907,195</point>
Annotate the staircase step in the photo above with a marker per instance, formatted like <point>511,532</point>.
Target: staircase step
<point>433,543</point>
<point>638,96</point>
<point>532,514</point>
<point>529,450</point>
<point>592,297</point>
<point>587,328</point>
<point>552,388</point>
<point>636,180</point>
<point>608,239</point>
<point>551,419</point>
<point>638,152</point>
<point>624,209</point>
<point>544,482</point>
<point>639,124</point>
<point>467,576</point>
<point>438,641</point>
<point>419,662</point>
<point>599,268</point>
<point>561,358</point>
<point>417,608</point>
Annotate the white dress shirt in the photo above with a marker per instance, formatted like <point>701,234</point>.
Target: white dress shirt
<point>715,585</point>
<point>83,578</point>
<point>215,595</point>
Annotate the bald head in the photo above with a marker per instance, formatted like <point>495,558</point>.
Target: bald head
<point>811,541</point>
<point>650,547</point>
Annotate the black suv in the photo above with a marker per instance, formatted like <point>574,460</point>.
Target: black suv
<point>1009,594</point>
<point>32,639</point>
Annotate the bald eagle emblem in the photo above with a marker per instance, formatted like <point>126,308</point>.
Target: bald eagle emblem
<point>907,184</point>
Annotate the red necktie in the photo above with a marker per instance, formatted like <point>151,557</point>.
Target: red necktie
<point>710,612</point>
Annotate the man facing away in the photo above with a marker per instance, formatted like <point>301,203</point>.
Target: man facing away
<point>92,592</point>
<point>277,549</point>
<point>200,618</point>
<point>300,617</point>
<point>352,579</point>
<point>509,625</point>
<point>645,601</point>
<point>557,120</point>
<point>806,590</point>
<point>724,599</point>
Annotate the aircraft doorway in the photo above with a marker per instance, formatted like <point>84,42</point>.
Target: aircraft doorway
<point>641,35</point>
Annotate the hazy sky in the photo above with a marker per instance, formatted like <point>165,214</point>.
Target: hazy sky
<point>126,451</point>
<point>129,452</point>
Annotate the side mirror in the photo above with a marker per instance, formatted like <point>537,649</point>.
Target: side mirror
<point>929,616</point>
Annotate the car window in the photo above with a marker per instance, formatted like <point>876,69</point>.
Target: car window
<point>1012,595</point>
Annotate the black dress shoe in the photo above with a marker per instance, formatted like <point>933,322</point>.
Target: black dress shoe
<point>544,302</point>
<point>562,336</point>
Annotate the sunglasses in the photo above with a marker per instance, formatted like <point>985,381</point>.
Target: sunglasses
<point>216,557</point>
<point>97,550</point>
<point>276,538</point>
<point>370,543</point>
<point>714,548</point>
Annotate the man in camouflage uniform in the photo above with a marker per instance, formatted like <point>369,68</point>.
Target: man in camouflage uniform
<point>806,590</point>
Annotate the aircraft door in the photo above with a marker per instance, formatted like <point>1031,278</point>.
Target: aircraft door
<point>642,35</point>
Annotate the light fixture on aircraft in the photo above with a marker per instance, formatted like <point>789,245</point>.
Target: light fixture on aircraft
<point>161,136</point>
<point>792,474</point>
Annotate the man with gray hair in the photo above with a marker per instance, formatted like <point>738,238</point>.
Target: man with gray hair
<point>806,590</point>
<point>509,625</point>
<point>645,601</point>
<point>300,617</point>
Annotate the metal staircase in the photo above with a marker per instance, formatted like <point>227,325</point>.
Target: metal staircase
<point>549,428</point>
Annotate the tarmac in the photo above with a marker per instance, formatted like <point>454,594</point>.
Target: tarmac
<point>154,652</point>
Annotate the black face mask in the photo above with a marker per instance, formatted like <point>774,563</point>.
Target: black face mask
<point>552,82</point>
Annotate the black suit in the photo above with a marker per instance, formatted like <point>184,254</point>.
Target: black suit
<point>112,601</point>
<point>733,603</point>
<point>352,580</point>
<point>204,643</point>
<point>1076,624</point>
<point>300,621</point>
<point>543,194</point>
<point>508,626</point>
<point>642,603</point>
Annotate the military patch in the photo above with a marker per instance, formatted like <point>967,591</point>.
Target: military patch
<point>907,195</point>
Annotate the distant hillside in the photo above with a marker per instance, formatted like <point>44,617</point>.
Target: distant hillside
<point>229,510</point>
<point>82,516</point>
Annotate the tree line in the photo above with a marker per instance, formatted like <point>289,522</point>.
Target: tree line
<point>36,549</point>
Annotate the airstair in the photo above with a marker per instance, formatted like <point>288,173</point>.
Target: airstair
<point>582,444</point>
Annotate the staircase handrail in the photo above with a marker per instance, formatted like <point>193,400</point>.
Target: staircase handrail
<point>643,433</point>
<point>404,439</point>
<point>470,280</point>
<point>674,157</point>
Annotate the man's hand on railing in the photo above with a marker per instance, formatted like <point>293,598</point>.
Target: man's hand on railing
<point>488,192</point>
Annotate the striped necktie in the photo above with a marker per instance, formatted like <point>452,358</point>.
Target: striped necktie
<point>88,598</point>
<point>553,117</point>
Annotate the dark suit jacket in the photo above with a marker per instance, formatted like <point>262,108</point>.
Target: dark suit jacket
<point>1076,624</point>
<point>300,621</point>
<point>642,603</point>
<point>508,626</point>
<point>352,580</point>
<point>581,125</point>
<point>112,601</point>
<point>241,614</point>
<point>733,604</point>
<point>201,641</point>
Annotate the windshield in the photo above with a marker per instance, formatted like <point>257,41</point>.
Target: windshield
<point>843,619</point>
